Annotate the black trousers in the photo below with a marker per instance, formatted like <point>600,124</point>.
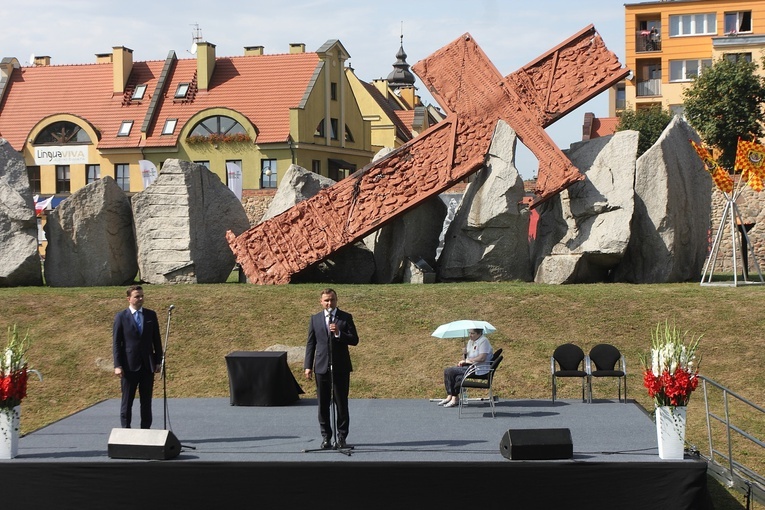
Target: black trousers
<point>143,381</point>
<point>324,393</point>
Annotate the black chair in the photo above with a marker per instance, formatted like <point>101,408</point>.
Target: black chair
<point>605,358</point>
<point>483,381</point>
<point>571,363</point>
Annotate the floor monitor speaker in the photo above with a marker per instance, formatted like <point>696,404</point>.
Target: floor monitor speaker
<point>147,444</point>
<point>536,444</point>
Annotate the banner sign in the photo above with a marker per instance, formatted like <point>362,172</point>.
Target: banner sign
<point>61,155</point>
<point>234,174</point>
<point>148,172</point>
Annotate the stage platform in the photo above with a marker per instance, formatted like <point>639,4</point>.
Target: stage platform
<point>406,453</point>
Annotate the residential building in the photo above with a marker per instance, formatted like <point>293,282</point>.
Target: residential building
<point>77,123</point>
<point>667,43</point>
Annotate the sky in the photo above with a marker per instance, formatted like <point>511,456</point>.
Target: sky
<point>510,32</point>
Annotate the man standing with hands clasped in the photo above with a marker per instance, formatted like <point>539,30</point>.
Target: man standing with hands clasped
<point>137,355</point>
<point>330,332</point>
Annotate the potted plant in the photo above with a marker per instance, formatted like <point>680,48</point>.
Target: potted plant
<point>13,389</point>
<point>670,373</point>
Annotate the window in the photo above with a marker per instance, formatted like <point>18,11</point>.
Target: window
<point>169,126</point>
<point>205,164</point>
<point>33,172</point>
<point>181,91</point>
<point>62,179</point>
<point>92,173</point>
<point>138,92</point>
<point>738,22</point>
<point>125,128</point>
<point>217,125</point>
<point>122,176</point>
<point>332,126</point>
<point>316,166</point>
<point>348,135</point>
<point>686,70</point>
<point>61,133</point>
<point>738,57</point>
<point>693,24</point>
<point>621,96</point>
<point>268,173</point>
<point>333,91</point>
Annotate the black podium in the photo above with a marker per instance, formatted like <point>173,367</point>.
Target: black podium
<point>261,378</point>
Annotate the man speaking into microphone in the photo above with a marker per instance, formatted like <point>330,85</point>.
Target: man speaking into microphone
<point>330,332</point>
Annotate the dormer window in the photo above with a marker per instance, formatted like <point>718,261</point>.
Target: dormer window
<point>138,92</point>
<point>169,126</point>
<point>181,91</point>
<point>125,128</point>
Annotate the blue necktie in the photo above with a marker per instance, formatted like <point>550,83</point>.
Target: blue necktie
<point>137,315</point>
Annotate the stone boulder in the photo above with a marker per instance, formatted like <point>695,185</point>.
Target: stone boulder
<point>181,221</point>
<point>353,263</point>
<point>19,255</point>
<point>670,228</point>
<point>583,232</point>
<point>488,238</point>
<point>90,238</point>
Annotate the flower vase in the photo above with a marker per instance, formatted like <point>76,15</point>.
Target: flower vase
<point>670,431</point>
<point>9,432</point>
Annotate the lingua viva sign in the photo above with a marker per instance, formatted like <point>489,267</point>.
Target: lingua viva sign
<point>61,155</point>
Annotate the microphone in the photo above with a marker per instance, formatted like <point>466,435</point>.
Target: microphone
<point>172,307</point>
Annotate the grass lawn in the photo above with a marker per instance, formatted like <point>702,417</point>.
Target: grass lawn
<point>70,330</point>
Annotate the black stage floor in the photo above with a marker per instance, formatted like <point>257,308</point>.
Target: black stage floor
<point>406,452</point>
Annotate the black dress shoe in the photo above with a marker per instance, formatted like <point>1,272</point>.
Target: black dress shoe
<point>326,444</point>
<point>340,443</point>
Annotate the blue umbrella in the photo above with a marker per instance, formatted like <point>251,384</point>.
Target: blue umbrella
<point>460,328</point>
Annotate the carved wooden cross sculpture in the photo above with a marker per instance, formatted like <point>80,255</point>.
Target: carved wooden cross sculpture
<point>475,96</point>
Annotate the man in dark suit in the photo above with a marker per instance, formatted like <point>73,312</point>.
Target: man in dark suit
<point>137,350</point>
<point>330,332</point>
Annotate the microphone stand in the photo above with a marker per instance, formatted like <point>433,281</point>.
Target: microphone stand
<point>333,409</point>
<point>163,374</point>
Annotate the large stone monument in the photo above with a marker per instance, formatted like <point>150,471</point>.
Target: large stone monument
<point>90,238</point>
<point>673,203</point>
<point>475,95</point>
<point>19,258</point>
<point>583,232</point>
<point>181,221</point>
<point>488,239</point>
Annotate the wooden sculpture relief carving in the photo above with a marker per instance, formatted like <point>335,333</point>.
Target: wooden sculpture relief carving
<point>475,95</point>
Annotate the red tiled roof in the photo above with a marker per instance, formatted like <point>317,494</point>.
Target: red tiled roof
<point>407,118</point>
<point>261,87</point>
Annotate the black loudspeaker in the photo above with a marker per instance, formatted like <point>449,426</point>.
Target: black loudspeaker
<point>536,444</point>
<point>144,444</point>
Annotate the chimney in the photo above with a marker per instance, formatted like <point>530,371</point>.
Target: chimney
<point>297,47</point>
<point>103,58</point>
<point>205,64</point>
<point>122,60</point>
<point>43,60</point>
<point>253,50</point>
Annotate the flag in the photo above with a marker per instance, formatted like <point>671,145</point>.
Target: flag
<point>43,204</point>
<point>234,178</point>
<point>750,161</point>
<point>720,176</point>
<point>148,172</point>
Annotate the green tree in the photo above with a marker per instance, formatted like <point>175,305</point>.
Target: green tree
<point>725,103</point>
<point>649,122</point>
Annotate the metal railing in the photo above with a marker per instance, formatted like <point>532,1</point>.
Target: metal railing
<point>725,464</point>
<point>650,87</point>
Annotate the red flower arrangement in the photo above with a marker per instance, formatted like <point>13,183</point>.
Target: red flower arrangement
<point>671,373</point>
<point>13,371</point>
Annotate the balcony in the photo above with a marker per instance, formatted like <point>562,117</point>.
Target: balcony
<point>647,41</point>
<point>650,87</point>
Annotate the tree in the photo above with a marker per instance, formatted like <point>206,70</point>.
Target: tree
<point>725,103</point>
<point>649,122</point>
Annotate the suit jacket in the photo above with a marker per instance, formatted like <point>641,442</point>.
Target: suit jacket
<point>317,347</point>
<point>133,350</point>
